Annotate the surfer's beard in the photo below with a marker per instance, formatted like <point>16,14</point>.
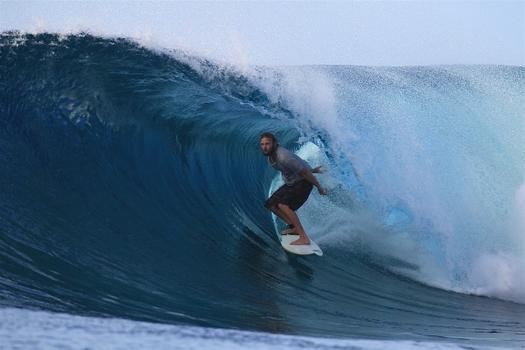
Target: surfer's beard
<point>272,151</point>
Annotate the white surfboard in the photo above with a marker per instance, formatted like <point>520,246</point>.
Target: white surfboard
<point>300,249</point>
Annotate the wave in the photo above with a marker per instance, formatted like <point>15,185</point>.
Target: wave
<point>133,186</point>
<point>23,328</point>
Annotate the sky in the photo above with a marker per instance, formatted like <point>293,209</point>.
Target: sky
<point>377,33</point>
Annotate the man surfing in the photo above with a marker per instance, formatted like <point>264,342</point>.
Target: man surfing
<point>298,183</point>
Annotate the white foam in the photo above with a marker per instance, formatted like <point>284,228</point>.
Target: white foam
<point>24,329</point>
<point>458,205</point>
<point>498,275</point>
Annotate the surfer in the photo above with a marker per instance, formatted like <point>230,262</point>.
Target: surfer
<point>298,183</point>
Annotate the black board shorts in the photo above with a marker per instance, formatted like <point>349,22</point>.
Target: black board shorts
<point>293,196</point>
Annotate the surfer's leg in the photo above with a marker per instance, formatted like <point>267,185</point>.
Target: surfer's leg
<point>303,238</point>
<point>272,203</point>
<point>277,211</point>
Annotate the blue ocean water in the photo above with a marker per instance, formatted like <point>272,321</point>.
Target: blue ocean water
<point>132,187</point>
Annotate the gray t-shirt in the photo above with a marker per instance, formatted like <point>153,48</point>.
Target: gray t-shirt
<point>289,164</point>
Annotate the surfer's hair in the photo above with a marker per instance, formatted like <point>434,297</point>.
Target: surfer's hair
<point>269,135</point>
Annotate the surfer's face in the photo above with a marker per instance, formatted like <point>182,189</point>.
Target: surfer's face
<point>266,146</point>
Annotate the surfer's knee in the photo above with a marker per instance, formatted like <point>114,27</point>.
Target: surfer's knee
<point>282,206</point>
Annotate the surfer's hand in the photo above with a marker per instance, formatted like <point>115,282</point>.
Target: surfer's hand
<point>322,191</point>
<point>318,169</point>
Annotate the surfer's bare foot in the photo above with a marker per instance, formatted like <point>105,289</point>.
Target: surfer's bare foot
<point>301,241</point>
<point>289,231</point>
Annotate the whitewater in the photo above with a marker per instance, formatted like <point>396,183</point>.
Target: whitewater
<point>132,192</point>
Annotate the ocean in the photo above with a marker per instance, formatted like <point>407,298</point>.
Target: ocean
<point>133,188</point>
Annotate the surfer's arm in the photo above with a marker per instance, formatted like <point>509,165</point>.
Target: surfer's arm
<point>317,169</point>
<point>309,176</point>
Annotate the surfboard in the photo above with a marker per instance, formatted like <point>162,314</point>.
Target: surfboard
<point>300,249</point>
